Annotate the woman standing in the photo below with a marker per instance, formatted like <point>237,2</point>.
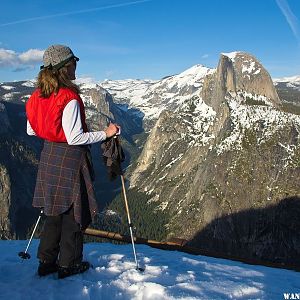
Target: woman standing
<point>55,113</point>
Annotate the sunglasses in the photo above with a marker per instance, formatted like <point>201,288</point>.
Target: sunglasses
<point>61,64</point>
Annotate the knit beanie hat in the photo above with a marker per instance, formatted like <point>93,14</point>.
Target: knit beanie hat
<point>56,56</point>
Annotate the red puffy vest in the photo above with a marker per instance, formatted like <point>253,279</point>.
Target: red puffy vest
<point>45,114</point>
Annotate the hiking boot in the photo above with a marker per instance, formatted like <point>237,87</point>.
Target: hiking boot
<point>76,269</point>
<point>46,268</point>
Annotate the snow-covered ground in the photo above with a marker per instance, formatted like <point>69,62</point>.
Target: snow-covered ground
<point>168,275</point>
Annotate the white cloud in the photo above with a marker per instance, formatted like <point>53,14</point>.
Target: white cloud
<point>31,56</point>
<point>7,57</point>
<point>20,61</point>
<point>205,56</point>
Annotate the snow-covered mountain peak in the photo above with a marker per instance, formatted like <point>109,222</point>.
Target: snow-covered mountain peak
<point>151,97</point>
<point>231,55</point>
<point>29,83</point>
<point>87,83</point>
<point>196,70</point>
<point>189,77</point>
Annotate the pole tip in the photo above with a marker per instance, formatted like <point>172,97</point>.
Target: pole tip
<point>24,255</point>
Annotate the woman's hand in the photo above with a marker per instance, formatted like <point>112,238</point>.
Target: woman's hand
<point>112,130</point>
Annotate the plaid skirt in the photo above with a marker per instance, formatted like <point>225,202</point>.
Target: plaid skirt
<point>64,178</point>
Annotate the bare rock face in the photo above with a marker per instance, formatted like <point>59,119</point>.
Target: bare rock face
<point>251,77</point>
<point>5,202</point>
<point>98,104</point>
<point>239,74</point>
<point>224,164</point>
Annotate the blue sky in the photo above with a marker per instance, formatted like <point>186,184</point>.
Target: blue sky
<point>119,39</point>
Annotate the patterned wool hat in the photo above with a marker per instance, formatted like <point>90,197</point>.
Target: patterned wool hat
<point>56,56</point>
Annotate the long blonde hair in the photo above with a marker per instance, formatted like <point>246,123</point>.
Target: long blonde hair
<point>51,80</point>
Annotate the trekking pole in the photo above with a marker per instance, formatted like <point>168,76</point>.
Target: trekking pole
<point>25,254</point>
<point>130,224</point>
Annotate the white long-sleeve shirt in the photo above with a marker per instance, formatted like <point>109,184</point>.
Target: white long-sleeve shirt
<point>72,127</point>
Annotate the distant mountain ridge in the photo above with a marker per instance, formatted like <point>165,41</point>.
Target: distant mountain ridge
<point>288,89</point>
